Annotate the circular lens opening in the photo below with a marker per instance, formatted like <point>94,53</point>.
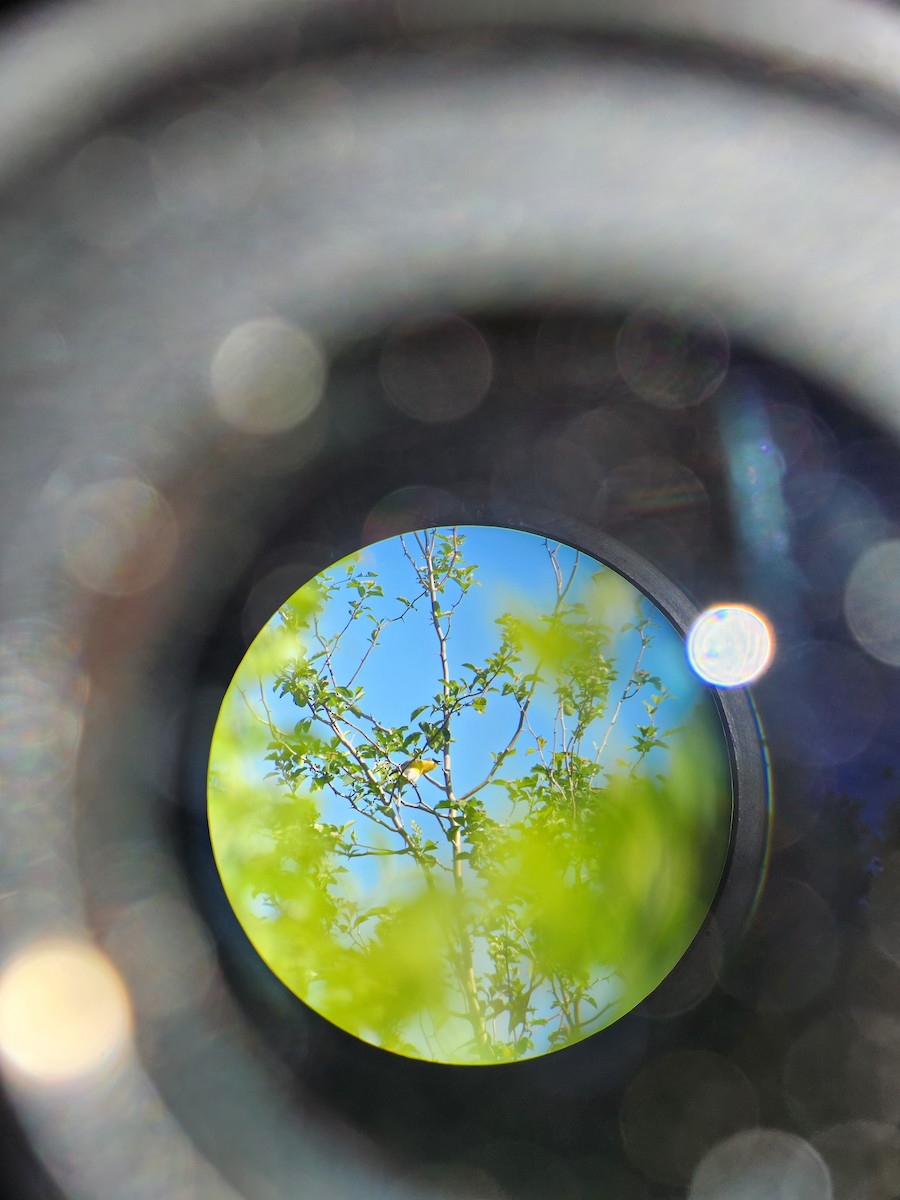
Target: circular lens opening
<point>466,796</point>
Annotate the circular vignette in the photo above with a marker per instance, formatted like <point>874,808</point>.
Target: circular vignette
<point>741,875</point>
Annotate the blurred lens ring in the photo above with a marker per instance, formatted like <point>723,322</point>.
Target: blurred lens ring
<point>806,352</point>
<point>114,56</point>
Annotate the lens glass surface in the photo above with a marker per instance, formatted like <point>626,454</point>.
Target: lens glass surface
<point>466,796</point>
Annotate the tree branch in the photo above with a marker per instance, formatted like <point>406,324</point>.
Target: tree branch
<point>627,694</point>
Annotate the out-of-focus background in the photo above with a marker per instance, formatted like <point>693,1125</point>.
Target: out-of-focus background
<point>281,279</point>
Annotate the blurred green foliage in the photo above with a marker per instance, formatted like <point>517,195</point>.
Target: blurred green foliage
<point>490,925</point>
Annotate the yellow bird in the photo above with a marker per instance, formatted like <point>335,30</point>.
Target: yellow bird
<point>416,767</point>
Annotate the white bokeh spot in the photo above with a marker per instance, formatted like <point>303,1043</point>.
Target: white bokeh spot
<point>730,645</point>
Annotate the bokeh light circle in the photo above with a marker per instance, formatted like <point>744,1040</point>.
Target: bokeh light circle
<point>267,376</point>
<point>759,1164</point>
<point>870,601</point>
<point>672,356</point>
<point>64,1013</point>
<point>678,1107</point>
<point>436,369</point>
<point>117,536</point>
<point>730,645</point>
<point>466,797</point>
<point>863,1158</point>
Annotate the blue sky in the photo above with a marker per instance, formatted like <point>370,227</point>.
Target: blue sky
<point>515,575</point>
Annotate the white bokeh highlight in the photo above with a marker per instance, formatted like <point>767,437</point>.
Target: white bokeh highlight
<point>870,601</point>
<point>64,1013</point>
<point>762,1164</point>
<point>267,376</point>
<point>730,645</point>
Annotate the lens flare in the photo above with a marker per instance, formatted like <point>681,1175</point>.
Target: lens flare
<point>730,645</point>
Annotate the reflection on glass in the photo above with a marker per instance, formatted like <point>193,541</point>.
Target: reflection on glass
<point>730,646</point>
<point>467,798</point>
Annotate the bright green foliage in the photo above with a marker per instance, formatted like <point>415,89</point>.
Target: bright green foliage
<point>494,923</point>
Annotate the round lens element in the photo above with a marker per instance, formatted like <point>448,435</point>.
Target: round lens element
<point>466,796</point>
<point>730,646</point>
